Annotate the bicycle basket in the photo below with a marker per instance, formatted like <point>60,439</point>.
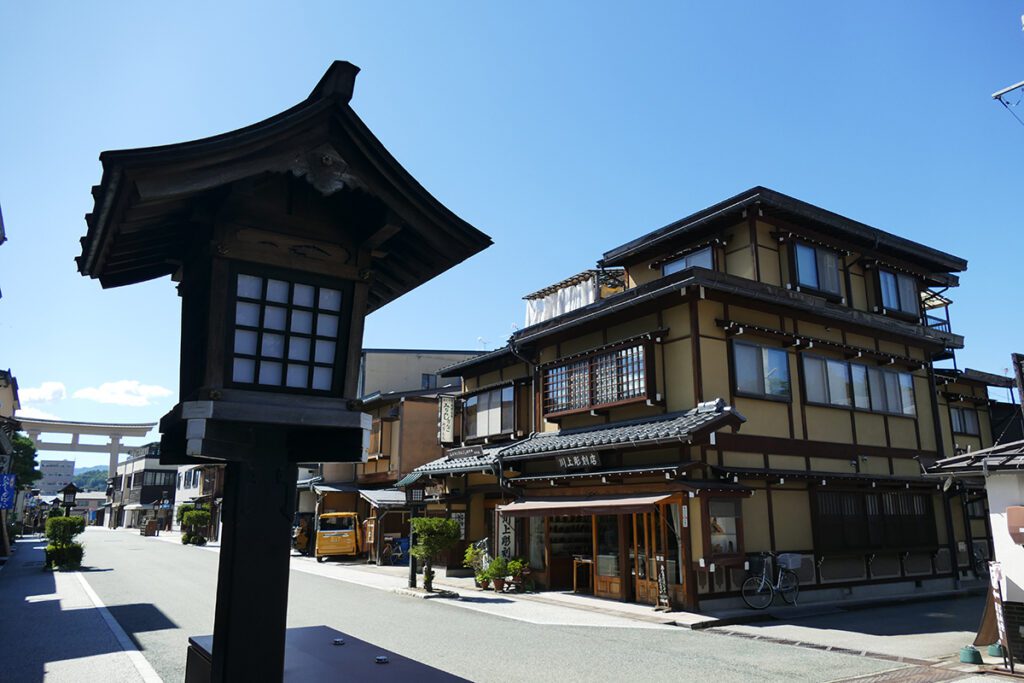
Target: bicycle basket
<point>758,562</point>
<point>792,561</point>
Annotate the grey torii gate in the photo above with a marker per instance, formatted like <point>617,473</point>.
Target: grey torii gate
<point>115,432</point>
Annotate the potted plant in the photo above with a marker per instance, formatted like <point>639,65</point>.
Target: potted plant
<point>474,559</point>
<point>517,569</point>
<point>498,570</point>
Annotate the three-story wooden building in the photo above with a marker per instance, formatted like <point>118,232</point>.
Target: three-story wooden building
<point>757,376</point>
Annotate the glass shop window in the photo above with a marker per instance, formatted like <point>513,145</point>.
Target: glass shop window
<point>724,522</point>
<point>607,545</point>
<point>537,543</point>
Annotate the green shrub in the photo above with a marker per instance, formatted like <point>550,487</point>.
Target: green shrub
<point>473,558</point>
<point>516,566</point>
<point>199,540</point>
<point>61,531</point>
<point>498,568</point>
<point>65,556</point>
<point>186,538</point>
<point>433,535</point>
<point>189,507</point>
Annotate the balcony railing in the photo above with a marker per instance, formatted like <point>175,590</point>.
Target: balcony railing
<point>936,323</point>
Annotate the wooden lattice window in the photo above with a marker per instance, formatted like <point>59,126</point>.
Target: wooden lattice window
<point>599,380</point>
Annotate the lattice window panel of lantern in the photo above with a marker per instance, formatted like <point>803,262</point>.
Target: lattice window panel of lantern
<point>286,334</point>
<point>601,379</point>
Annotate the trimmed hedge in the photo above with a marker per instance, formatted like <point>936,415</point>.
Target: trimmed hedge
<point>62,530</point>
<point>64,557</point>
<point>194,524</point>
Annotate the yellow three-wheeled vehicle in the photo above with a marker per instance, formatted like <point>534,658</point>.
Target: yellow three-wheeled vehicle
<point>338,533</point>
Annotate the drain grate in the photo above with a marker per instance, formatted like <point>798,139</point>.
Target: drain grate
<point>911,674</point>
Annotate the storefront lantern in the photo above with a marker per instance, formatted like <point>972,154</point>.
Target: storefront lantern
<point>282,237</point>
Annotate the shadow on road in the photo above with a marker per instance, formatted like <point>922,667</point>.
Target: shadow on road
<point>47,618</point>
<point>915,618</point>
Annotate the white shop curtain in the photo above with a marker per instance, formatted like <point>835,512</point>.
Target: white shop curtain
<point>562,301</point>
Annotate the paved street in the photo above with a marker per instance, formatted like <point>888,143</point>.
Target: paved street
<point>161,592</point>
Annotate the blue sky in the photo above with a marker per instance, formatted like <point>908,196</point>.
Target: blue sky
<point>560,129</point>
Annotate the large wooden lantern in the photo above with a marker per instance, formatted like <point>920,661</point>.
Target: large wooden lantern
<point>282,237</point>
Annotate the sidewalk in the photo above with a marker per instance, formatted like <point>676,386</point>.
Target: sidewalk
<point>55,628</point>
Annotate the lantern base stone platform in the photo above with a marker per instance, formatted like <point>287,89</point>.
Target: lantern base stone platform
<point>311,655</point>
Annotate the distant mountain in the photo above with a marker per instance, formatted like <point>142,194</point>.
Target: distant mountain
<point>83,470</point>
<point>91,479</point>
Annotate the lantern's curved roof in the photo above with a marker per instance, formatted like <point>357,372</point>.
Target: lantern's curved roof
<point>151,201</point>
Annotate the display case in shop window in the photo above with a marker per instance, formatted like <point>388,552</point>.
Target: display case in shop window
<point>571,536</point>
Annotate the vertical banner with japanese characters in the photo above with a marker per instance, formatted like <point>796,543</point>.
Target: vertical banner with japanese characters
<point>7,492</point>
<point>507,525</point>
<point>446,419</point>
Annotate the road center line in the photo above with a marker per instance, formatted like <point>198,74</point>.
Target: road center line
<point>141,664</point>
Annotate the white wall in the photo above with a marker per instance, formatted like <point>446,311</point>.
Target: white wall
<point>1004,490</point>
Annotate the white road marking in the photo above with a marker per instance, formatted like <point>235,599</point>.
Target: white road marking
<point>145,669</point>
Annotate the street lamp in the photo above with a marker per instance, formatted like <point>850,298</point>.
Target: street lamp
<point>282,237</point>
<point>413,500</point>
<point>68,494</point>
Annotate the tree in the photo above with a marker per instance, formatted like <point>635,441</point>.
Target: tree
<point>23,461</point>
<point>92,479</point>
<point>433,535</point>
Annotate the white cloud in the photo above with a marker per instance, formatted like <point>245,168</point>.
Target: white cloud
<point>127,392</point>
<point>44,393</point>
<point>31,413</point>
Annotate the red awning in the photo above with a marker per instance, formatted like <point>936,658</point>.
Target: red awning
<point>594,505</point>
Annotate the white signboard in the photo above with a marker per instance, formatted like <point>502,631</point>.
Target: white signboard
<point>446,419</point>
<point>506,536</point>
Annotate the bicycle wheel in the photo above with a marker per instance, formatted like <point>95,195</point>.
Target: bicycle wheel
<point>757,592</point>
<point>789,586</point>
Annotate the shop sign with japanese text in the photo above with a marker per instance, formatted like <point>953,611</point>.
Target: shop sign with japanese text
<point>507,536</point>
<point>7,491</point>
<point>446,419</point>
<point>578,461</point>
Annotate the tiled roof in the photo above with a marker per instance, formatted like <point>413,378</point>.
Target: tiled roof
<point>664,428</point>
<point>1009,456</point>
<point>383,497</point>
<point>448,465</point>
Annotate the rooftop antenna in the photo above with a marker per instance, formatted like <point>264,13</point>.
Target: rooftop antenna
<point>483,342</point>
<point>1016,87</point>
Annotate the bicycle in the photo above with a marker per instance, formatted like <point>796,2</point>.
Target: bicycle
<point>391,554</point>
<point>758,591</point>
<point>980,564</point>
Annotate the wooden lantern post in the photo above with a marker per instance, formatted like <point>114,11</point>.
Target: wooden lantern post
<point>282,237</point>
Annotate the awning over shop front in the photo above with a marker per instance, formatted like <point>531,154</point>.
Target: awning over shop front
<point>140,506</point>
<point>336,487</point>
<point>383,498</point>
<point>594,505</point>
